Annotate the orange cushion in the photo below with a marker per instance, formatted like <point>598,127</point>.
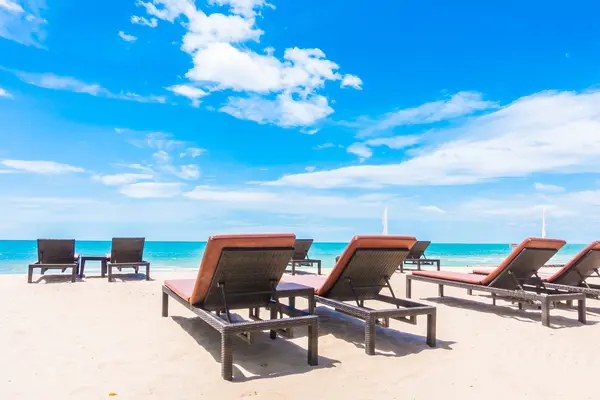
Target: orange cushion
<point>530,243</point>
<point>183,287</point>
<point>592,246</point>
<point>453,276</point>
<point>364,242</point>
<point>215,246</point>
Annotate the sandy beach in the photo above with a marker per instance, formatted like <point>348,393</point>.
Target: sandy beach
<point>91,339</point>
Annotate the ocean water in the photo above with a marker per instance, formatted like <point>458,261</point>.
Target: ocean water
<point>15,255</point>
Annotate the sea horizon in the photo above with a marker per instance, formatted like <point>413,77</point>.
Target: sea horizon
<point>16,255</point>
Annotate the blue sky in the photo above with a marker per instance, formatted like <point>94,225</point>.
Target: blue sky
<point>176,119</point>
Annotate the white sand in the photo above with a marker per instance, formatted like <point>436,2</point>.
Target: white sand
<point>91,338</point>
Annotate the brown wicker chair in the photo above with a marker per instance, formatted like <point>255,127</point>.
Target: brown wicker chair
<point>417,257</point>
<point>241,272</point>
<point>360,273</point>
<point>511,279</point>
<point>300,257</point>
<point>55,254</point>
<point>126,253</point>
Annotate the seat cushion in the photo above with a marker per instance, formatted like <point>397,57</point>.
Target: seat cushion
<point>183,287</point>
<point>453,276</point>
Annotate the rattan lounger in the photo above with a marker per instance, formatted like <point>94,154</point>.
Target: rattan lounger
<point>573,275</point>
<point>300,256</point>
<point>417,257</point>
<point>510,279</point>
<point>241,272</point>
<point>362,271</point>
<point>55,254</point>
<point>127,253</point>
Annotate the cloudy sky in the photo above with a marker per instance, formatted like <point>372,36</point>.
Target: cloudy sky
<point>176,119</point>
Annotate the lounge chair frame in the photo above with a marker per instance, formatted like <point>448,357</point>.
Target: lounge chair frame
<point>419,261</point>
<point>362,264</point>
<point>128,253</point>
<point>300,256</point>
<point>217,312</point>
<point>48,249</point>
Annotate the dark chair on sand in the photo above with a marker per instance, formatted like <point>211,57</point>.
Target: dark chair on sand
<point>55,254</point>
<point>241,272</point>
<point>361,272</point>
<point>126,253</point>
<point>573,275</point>
<point>417,257</point>
<point>511,280</point>
<point>300,257</point>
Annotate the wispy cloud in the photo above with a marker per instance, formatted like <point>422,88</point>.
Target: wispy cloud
<point>20,21</point>
<point>126,37</point>
<point>191,92</point>
<point>363,149</point>
<point>432,209</point>
<point>70,84</point>
<point>122,179</point>
<point>144,190</point>
<point>457,105</point>
<point>4,93</point>
<point>324,146</point>
<point>152,22</point>
<point>352,81</point>
<point>40,167</point>
<point>542,187</point>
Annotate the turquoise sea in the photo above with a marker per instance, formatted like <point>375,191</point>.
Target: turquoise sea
<point>15,255</point>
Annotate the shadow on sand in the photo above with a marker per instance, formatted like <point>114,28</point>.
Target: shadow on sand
<point>262,359</point>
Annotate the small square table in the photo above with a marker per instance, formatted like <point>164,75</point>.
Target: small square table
<point>103,261</point>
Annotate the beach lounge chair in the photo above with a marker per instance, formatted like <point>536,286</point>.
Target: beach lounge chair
<point>417,257</point>
<point>360,274</point>
<point>241,272</point>
<point>509,279</point>
<point>571,276</point>
<point>126,253</point>
<point>55,254</point>
<point>300,256</point>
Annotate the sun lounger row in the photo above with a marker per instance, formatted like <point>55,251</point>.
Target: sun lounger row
<point>60,254</point>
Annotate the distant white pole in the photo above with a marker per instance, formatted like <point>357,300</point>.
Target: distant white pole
<point>544,222</point>
<point>385,221</point>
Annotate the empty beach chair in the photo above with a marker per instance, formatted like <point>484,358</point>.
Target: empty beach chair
<point>55,254</point>
<point>241,272</point>
<point>300,257</point>
<point>360,274</point>
<point>417,257</point>
<point>126,253</point>
<point>509,280</point>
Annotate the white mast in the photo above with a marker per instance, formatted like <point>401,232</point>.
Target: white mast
<point>385,221</point>
<point>544,222</point>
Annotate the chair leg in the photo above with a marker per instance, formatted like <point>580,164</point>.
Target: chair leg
<point>441,290</point>
<point>30,274</point>
<point>74,273</point>
<point>226,357</point>
<point>110,277</point>
<point>313,344</point>
<point>408,288</point>
<point>581,310</point>
<point>273,333</point>
<point>431,329</point>
<point>147,272</point>
<point>370,335</point>
<point>545,312</point>
<point>165,304</point>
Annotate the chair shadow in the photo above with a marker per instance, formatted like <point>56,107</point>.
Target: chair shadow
<point>389,342</point>
<point>264,358</point>
<point>55,278</point>
<point>123,277</point>
<point>506,311</point>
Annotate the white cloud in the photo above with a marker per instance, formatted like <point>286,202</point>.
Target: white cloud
<point>121,179</point>
<point>192,152</point>
<point>360,150</point>
<point>144,190</point>
<point>192,93</point>
<point>70,84</point>
<point>352,81</point>
<point>284,92</point>
<point>126,37</point>
<point>21,22</point>
<point>548,132</point>
<point>432,209</point>
<point>4,93</point>
<point>548,188</point>
<point>188,172</point>
<point>40,167</point>
<point>310,168</point>
<point>459,104</point>
<point>324,146</point>
<point>152,22</point>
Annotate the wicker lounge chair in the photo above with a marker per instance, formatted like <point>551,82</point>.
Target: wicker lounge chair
<point>126,253</point>
<point>300,256</point>
<point>417,257</point>
<point>573,275</point>
<point>510,280</point>
<point>242,272</point>
<point>362,271</point>
<point>55,254</point>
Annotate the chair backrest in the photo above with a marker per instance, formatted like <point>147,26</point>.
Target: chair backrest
<point>582,266</point>
<point>364,265</point>
<point>246,267</point>
<point>301,248</point>
<point>418,250</point>
<point>523,262</point>
<point>126,250</point>
<point>56,251</point>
